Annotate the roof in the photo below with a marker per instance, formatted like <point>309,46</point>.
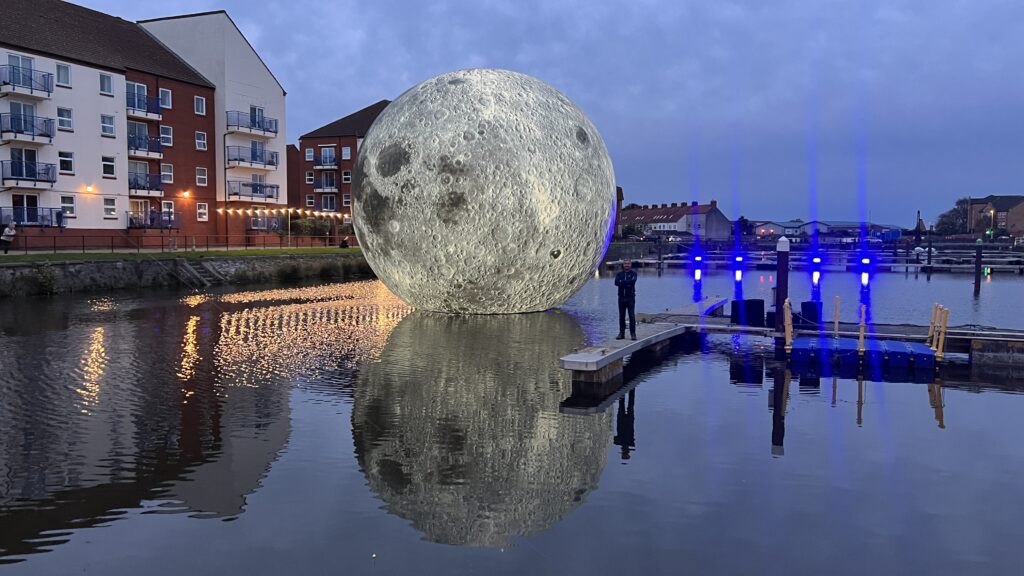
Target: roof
<point>784,224</point>
<point>355,124</point>
<point>1004,203</point>
<point>75,33</point>
<point>662,214</point>
<point>240,33</point>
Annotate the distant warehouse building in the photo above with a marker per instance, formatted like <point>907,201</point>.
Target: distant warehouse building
<point>702,220</point>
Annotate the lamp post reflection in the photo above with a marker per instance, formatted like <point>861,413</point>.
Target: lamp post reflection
<point>778,400</point>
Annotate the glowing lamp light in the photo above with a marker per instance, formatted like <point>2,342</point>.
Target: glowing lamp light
<point>697,274</point>
<point>739,258</point>
<point>739,275</point>
<point>815,277</point>
<point>220,210</point>
<point>864,278</point>
<point>816,260</point>
<point>186,193</point>
<point>698,258</point>
<point>88,188</point>
<point>865,261</point>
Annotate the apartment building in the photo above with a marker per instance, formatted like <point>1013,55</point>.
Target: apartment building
<point>100,127</point>
<point>327,156</point>
<point>248,108</point>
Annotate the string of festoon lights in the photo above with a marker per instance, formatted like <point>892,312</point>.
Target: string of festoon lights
<point>282,212</point>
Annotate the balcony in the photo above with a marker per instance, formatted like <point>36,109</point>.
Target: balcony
<point>24,128</point>
<point>22,174</point>
<point>154,219</point>
<point>247,157</point>
<point>25,82</point>
<point>246,123</point>
<point>144,146</point>
<point>256,191</point>
<point>325,162</point>
<point>266,223</point>
<point>141,184</point>
<point>144,107</point>
<point>325,185</point>
<point>33,216</point>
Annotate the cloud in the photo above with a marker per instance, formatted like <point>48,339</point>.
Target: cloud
<point>754,103</point>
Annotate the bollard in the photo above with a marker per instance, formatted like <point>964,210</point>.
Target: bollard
<point>781,280</point>
<point>863,320</point>
<point>788,324</point>
<point>931,324</point>
<point>836,319</point>
<point>977,269</point>
<point>940,349</point>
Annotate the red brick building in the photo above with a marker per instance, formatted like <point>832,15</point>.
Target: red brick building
<point>320,172</point>
<point>171,162</point>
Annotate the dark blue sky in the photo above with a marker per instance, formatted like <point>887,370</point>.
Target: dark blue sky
<point>782,109</point>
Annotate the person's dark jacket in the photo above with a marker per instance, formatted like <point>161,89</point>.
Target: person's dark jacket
<point>626,281</point>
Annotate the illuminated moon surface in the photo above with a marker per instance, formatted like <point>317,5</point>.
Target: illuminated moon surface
<point>483,192</point>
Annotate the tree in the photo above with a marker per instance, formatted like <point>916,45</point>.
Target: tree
<point>954,221</point>
<point>743,226</point>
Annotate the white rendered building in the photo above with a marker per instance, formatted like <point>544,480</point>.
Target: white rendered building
<point>249,106</point>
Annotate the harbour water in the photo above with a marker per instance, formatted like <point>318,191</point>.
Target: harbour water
<point>327,429</point>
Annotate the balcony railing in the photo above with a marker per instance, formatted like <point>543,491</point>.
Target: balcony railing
<point>325,183</point>
<point>154,219</point>
<point>142,103</point>
<point>145,143</point>
<point>143,181</point>
<point>27,78</point>
<point>35,126</point>
<point>33,216</point>
<point>28,171</point>
<point>248,154</point>
<point>326,161</point>
<point>238,119</point>
<point>246,189</point>
<point>269,223</point>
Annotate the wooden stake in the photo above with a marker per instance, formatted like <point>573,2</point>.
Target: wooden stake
<point>863,322</point>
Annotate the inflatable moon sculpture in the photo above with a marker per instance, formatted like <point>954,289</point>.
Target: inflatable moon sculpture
<point>483,192</point>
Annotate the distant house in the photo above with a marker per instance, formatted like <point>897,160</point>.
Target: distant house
<point>772,229</point>
<point>997,213</point>
<point>703,220</point>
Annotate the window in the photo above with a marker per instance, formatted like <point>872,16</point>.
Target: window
<point>327,156</point>
<point>106,125</point>
<point>346,199</point>
<point>67,206</point>
<point>328,180</point>
<point>110,208</point>
<point>347,218</point>
<point>200,176</point>
<point>108,166</point>
<point>309,177</point>
<point>165,98</point>
<point>200,140</point>
<point>202,212</point>
<point>67,162</point>
<point>63,75</point>
<point>167,206</point>
<point>309,154</point>
<point>167,135</point>
<point>200,104</point>
<point>167,173</point>
<point>310,201</point>
<point>346,176</point>
<point>64,119</point>
<point>328,202</point>
<point>106,85</point>
<point>346,153</point>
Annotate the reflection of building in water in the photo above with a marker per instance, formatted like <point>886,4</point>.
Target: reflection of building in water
<point>137,405</point>
<point>458,431</point>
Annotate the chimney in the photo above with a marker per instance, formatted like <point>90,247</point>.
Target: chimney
<point>694,203</point>
<point>714,203</point>
<point>644,207</point>
<point>675,205</point>
<point>664,205</point>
